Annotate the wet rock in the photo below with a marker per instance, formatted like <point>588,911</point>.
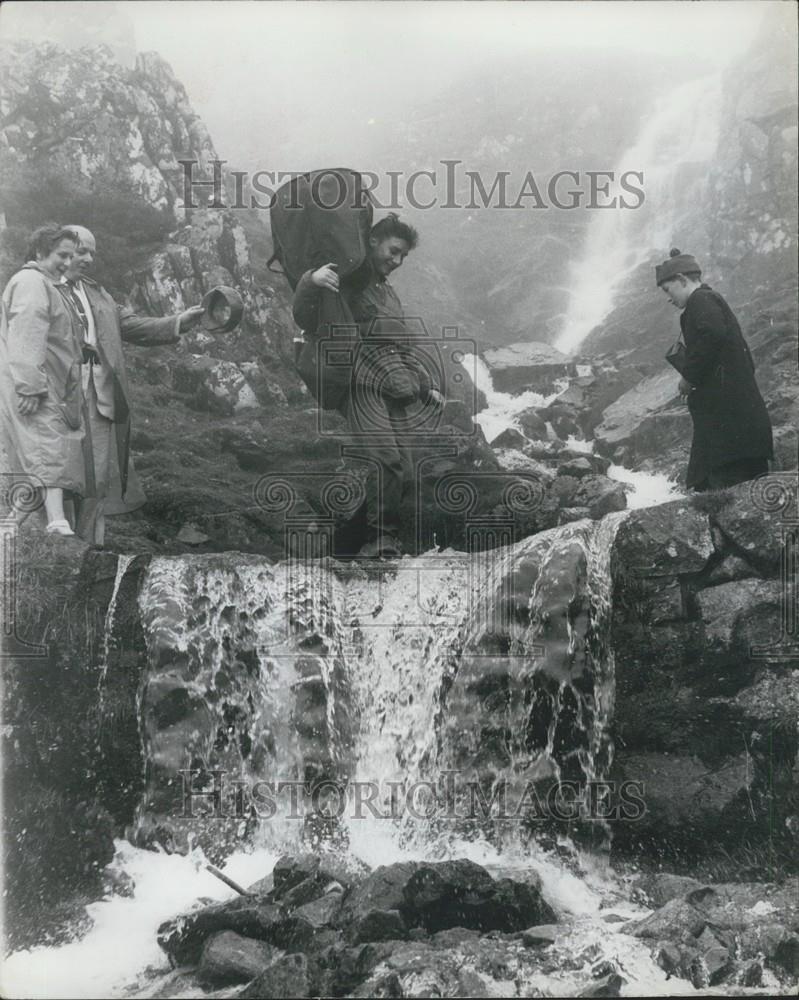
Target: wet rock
<point>190,534</point>
<point>600,495</point>
<point>545,450</point>
<point>322,912</point>
<point>183,937</point>
<point>623,417</point>
<point>533,424</point>
<point>741,616</point>
<point>669,957</point>
<point>509,438</point>
<point>658,889</point>
<point>609,986</point>
<point>568,514</point>
<point>228,957</point>
<point>513,460</point>
<point>563,489</point>
<point>379,925</point>
<point>382,889</point>
<point>676,921</point>
<point>564,419</point>
<point>576,467</point>
<point>540,936</point>
<point>753,516</point>
<point>529,365</point>
<point>666,540</point>
<point>729,569</point>
<point>752,974</point>
<point>285,979</point>
<point>777,943</point>
<point>463,894</point>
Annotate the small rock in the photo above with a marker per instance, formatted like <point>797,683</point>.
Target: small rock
<point>190,534</point>
<point>509,438</point>
<point>577,467</point>
<point>752,974</point>
<point>541,935</point>
<point>533,424</point>
<point>668,957</point>
<point>287,978</point>
<point>321,912</point>
<point>610,986</point>
<point>380,925</point>
<point>228,957</point>
<point>601,495</point>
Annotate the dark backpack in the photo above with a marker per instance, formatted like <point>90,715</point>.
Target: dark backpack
<point>321,217</point>
<point>324,216</point>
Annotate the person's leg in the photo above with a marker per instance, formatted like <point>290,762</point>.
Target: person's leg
<point>54,509</point>
<point>91,514</point>
<point>372,437</point>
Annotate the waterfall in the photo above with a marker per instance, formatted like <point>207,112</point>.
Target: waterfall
<point>123,562</point>
<point>369,680</point>
<point>681,133</point>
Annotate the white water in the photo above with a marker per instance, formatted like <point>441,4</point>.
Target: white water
<point>113,957</point>
<point>648,488</point>
<point>503,409</point>
<point>682,131</point>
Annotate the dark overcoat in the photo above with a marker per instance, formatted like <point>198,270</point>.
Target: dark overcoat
<point>729,416</point>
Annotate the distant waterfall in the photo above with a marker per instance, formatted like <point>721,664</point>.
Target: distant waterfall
<point>682,131</point>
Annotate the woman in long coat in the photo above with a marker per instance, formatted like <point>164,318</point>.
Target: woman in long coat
<point>732,440</point>
<point>41,401</point>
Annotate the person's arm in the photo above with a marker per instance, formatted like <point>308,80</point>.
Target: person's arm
<point>155,330</point>
<point>28,317</point>
<point>706,332</point>
<point>307,295</point>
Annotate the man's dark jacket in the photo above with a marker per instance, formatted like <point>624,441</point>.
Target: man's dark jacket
<point>387,361</point>
<point>729,416</point>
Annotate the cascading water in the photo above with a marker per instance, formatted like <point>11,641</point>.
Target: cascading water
<point>376,675</point>
<point>681,133</point>
<point>502,409</point>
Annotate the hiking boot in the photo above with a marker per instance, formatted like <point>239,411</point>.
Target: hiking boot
<point>384,547</point>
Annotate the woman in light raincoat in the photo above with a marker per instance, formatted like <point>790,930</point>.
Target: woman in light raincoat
<point>41,401</point>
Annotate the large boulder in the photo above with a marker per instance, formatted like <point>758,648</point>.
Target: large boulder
<point>530,365</point>
<point>622,419</point>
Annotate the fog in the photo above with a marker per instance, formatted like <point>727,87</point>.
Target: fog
<point>269,79</point>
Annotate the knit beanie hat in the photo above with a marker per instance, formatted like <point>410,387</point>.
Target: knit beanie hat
<point>677,263</point>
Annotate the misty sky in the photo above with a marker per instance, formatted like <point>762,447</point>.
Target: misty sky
<point>255,71</point>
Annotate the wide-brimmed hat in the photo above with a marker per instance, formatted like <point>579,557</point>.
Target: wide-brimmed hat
<point>677,263</point>
<point>223,308</point>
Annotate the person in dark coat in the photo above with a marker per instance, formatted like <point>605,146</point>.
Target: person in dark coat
<point>390,375</point>
<point>732,440</point>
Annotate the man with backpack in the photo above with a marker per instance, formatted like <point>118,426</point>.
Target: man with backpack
<point>388,377</point>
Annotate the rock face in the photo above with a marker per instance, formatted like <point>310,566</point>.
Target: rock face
<point>706,677</point>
